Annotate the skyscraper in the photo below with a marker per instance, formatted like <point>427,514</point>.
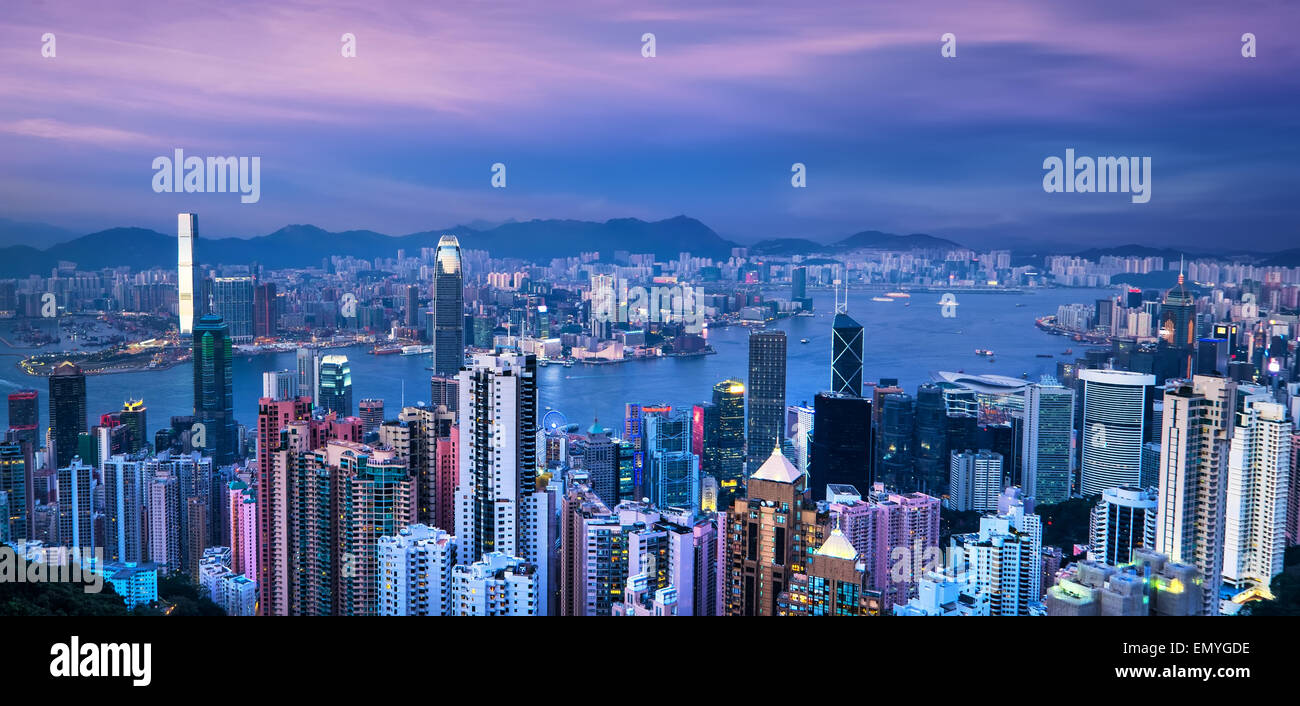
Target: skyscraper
<point>724,441</point>
<point>76,505</point>
<point>672,471</point>
<point>24,417</point>
<point>895,463</point>
<point>1048,429</point>
<point>975,480</point>
<point>135,417</point>
<point>214,406</point>
<point>67,411</point>
<point>447,324</point>
<point>1193,478</point>
<point>273,461</point>
<point>309,373</point>
<point>415,571</point>
<point>280,384</point>
<point>1259,475</point>
<point>1116,417</point>
<point>1178,325</point>
<point>767,350</point>
<point>187,233</point>
<point>846,354</point>
<point>1004,559</point>
<point>500,508</point>
<point>413,306</point>
<point>16,481</point>
<point>266,313</point>
<point>841,449</point>
<point>232,300</point>
<point>335,385</point>
<point>770,533</point>
<point>930,445</point>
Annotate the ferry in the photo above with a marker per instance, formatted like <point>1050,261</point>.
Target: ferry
<point>984,352</point>
<point>1044,355</point>
<point>898,295</point>
<point>803,340</point>
<point>386,350</point>
<point>416,350</point>
<point>881,299</point>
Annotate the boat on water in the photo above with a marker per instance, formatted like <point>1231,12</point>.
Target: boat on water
<point>803,340</point>
<point>881,299</point>
<point>542,362</point>
<point>898,295</point>
<point>416,350</point>
<point>984,352</point>
<point>1067,351</point>
<point>386,350</point>
<point>1043,355</point>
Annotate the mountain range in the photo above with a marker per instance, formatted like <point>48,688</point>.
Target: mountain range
<point>305,245</point>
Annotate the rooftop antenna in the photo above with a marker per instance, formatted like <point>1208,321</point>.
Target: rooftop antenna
<point>841,307</point>
<point>1180,269</point>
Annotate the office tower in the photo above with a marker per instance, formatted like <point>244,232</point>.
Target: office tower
<point>187,234</point>
<point>17,482</point>
<point>166,530</point>
<point>1178,326</point>
<point>447,324</point>
<point>1122,522</point>
<point>415,571</point>
<point>413,306</point>
<point>125,484</point>
<point>232,300</point>
<point>1116,418</point>
<point>632,480</point>
<point>24,417</point>
<point>672,471</point>
<point>135,417</point>
<point>930,446</point>
<point>1212,356</point>
<point>213,389</point>
<point>596,455</point>
<point>1259,476</point>
<point>846,354</point>
<point>273,460</point>
<point>724,441</point>
<point>836,583</point>
<point>1048,429</point>
<point>500,506</point>
<point>798,283</point>
<point>335,391</point>
<point>309,358</point>
<point>895,462</point>
<point>799,424</point>
<point>266,314</point>
<point>1195,428</point>
<point>974,480</point>
<point>67,412</point>
<point>444,391</point>
<point>841,451</point>
<point>497,585</point>
<point>241,508</point>
<point>280,385</point>
<point>371,412</point>
<point>770,533</point>
<point>766,394</point>
<point>1004,559</point>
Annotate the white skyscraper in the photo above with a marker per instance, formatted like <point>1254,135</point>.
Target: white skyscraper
<point>415,571</point>
<point>280,385</point>
<point>1122,522</point>
<point>1116,412</point>
<point>1259,477</point>
<point>187,232</point>
<point>974,480</point>
<point>1195,430</point>
<point>499,506</point>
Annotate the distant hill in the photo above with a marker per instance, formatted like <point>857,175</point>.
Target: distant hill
<point>785,247</point>
<point>35,235</point>
<point>876,240</point>
<point>1134,250</point>
<point>304,245</point>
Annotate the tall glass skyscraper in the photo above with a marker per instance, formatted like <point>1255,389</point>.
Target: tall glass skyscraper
<point>187,231</point>
<point>895,464</point>
<point>767,351</point>
<point>447,324</point>
<point>232,299</point>
<point>67,410</point>
<point>24,417</point>
<point>846,356</point>
<point>1048,428</point>
<point>336,385</point>
<point>841,449</point>
<point>213,388</point>
<point>724,441</point>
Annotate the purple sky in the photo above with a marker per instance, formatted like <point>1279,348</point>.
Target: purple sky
<point>895,137</point>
